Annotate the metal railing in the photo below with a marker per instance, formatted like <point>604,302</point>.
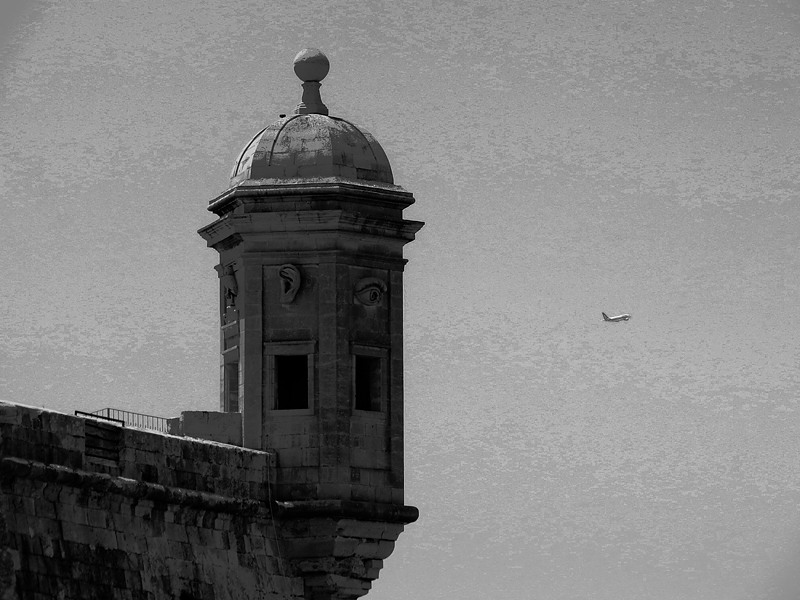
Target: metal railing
<point>133,419</point>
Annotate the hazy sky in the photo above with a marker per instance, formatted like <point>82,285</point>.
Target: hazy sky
<point>569,157</point>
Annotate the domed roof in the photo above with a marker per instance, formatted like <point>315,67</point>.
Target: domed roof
<point>313,146</point>
<point>309,144</point>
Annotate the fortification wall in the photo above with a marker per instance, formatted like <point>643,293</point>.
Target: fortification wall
<point>92,510</point>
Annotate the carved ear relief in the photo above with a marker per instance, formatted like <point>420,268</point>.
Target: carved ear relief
<point>290,283</point>
<point>369,291</point>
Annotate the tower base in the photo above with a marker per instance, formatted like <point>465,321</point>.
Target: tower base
<point>338,547</point>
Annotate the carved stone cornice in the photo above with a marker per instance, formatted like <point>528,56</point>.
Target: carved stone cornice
<point>232,229</point>
<point>348,509</point>
<point>269,191</point>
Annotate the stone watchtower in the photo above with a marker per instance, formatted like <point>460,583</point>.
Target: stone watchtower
<point>310,236</point>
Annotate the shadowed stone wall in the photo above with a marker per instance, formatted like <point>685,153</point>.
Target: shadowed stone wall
<point>92,510</point>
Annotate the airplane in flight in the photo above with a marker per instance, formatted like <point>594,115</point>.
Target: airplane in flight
<point>617,319</point>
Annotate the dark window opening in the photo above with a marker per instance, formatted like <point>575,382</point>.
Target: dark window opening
<point>368,383</point>
<point>231,387</point>
<point>291,382</point>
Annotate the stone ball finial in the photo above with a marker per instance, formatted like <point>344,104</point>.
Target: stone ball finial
<point>311,64</point>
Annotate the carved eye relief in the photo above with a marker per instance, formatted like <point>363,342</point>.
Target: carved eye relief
<point>290,283</point>
<point>369,291</point>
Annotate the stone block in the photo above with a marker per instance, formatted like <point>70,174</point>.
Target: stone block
<point>317,565</point>
<point>290,457</point>
<point>183,569</point>
<point>146,457</point>
<point>73,513</point>
<point>56,493</point>
<point>27,504</point>
<point>133,581</point>
<point>193,535</point>
<point>397,496</point>
<point>130,542</point>
<point>334,474</point>
<point>309,547</point>
<point>98,518</point>
<point>348,586</point>
<point>309,527</point>
<point>335,490</point>
<point>47,528</point>
<point>127,455</point>
<point>221,540</point>
<point>363,493</point>
<point>383,495</point>
<point>372,568</point>
<point>257,491</point>
<point>173,446</point>
<point>361,529</point>
<point>84,534</point>
<point>105,538</point>
<point>258,461</point>
<point>187,479</point>
<point>355,475</point>
<point>176,533</point>
<point>344,546</point>
<point>379,550</point>
<point>277,439</point>
<point>311,457</point>
<point>301,475</point>
<point>119,522</point>
<point>255,475</point>
<point>224,427</point>
<point>10,414</point>
<point>293,491</point>
<point>206,537</point>
<point>120,593</point>
<point>365,458</point>
<point>378,478</point>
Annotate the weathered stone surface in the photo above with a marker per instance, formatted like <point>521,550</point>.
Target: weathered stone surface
<point>224,427</point>
<point>313,145</point>
<point>189,519</point>
<point>338,546</point>
<point>9,557</point>
<point>140,553</point>
<point>178,518</point>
